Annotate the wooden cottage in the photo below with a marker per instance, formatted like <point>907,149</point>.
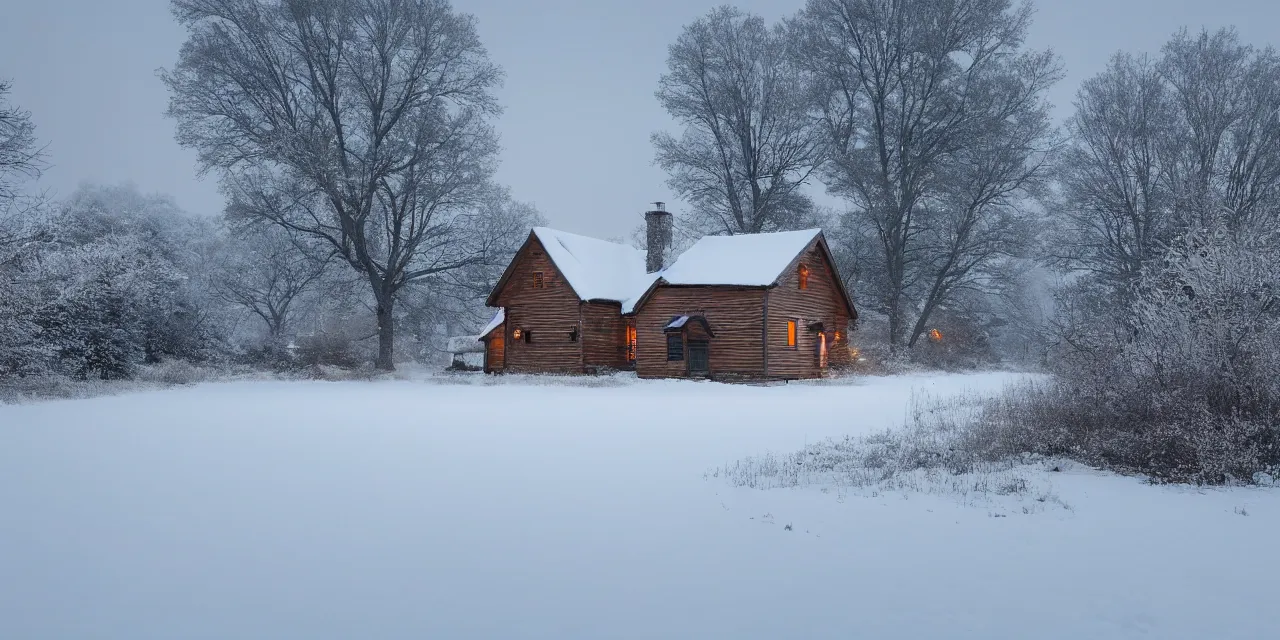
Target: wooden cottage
<point>563,301</point>
<point>750,306</point>
<point>765,306</point>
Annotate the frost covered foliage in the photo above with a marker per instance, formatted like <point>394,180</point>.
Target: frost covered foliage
<point>943,449</point>
<point>1165,341</point>
<point>1182,381</point>
<point>20,344</point>
<point>105,281</point>
<point>21,159</point>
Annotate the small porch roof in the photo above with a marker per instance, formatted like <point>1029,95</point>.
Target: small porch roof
<point>678,323</point>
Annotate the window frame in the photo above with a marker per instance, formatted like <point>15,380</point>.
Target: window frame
<point>676,355</point>
<point>803,275</point>
<point>539,280</point>
<point>793,334</point>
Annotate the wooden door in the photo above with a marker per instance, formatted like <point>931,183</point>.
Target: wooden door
<point>699,358</point>
<point>496,356</point>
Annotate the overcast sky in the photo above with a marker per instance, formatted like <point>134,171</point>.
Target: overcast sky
<point>578,94</point>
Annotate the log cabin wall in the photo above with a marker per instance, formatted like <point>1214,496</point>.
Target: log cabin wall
<point>545,316</point>
<point>820,302</point>
<point>735,316</point>
<point>603,335</point>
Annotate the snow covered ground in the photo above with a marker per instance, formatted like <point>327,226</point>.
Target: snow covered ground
<point>535,510</point>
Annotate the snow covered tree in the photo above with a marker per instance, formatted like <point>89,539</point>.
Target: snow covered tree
<point>99,299</point>
<point>21,233</point>
<point>364,124</point>
<point>939,132</point>
<point>180,318</point>
<point>267,271</point>
<point>1161,147</point>
<point>21,157</point>
<point>750,142</point>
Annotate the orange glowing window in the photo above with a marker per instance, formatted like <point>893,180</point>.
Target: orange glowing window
<point>804,276</point>
<point>539,281</point>
<point>631,344</point>
<point>791,333</point>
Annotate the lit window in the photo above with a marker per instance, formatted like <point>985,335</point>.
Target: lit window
<point>538,280</point>
<point>517,334</point>
<point>675,347</point>
<point>804,276</point>
<point>631,343</point>
<point>791,333</point>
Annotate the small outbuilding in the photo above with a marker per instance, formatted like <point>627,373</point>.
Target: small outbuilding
<point>466,353</point>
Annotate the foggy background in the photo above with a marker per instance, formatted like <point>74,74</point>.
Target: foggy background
<point>578,97</point>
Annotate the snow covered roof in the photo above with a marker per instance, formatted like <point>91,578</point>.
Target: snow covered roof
<point>465,344</point>
<point>746,260</point>
<point>677,323</point>
<point>496,322</point>
<point>596,269</point>
<point>602,270</point>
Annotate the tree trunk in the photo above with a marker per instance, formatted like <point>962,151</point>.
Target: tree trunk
<point>386,333</point>
<point>895,324</point>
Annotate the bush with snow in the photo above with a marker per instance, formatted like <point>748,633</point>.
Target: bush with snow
<point>940,450</point>
<point>1178,378</point>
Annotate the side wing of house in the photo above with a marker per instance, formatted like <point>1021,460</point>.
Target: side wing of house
<point>734,315</point>
<point>542,332</point>
<point>809,318</point>
<point>604,335</point>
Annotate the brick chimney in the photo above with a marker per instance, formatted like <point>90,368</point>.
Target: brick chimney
<point>657,237</point>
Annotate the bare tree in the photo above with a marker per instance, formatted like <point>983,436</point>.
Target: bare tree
<point>20,155</point>
<point>21,230</point>
<point>266,271</point>
<point>1116,175</point>
<point>749,143</point>
<point>1228,102</point>
<point>364,124</point>
<point>1163,147</point>
<point>979,215</point>
<point>21,159</point>
<point>938,126</point>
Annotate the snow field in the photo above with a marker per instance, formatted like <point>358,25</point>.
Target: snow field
<point>512,510</point>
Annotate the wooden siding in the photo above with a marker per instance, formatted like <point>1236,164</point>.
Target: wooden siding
<point>494,350</point>
<point>550,313</point>
<point>603,335</point>
<point>735,316</point>
<point>820,302</point>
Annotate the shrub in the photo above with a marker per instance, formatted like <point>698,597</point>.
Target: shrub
<point>931,453</point>
<point>1170,437</point>
<point>1177,377</point>
<point>330,349</point>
